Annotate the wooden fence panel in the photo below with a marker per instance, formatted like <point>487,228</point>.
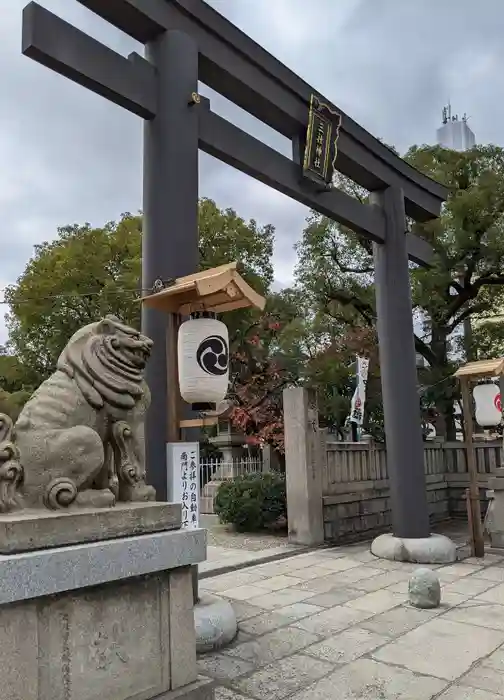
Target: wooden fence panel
<point>356,496</point>
<point>354,462</point>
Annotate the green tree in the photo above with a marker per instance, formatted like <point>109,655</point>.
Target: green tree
<point>88,272</point>
<point>13,374</point>
<point>14,390</point>
<point>466,279</point>
<point>488,337</point>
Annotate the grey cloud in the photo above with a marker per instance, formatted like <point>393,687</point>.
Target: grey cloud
<point>69,156</point>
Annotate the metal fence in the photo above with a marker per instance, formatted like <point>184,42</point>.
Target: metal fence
<point>214,471</point>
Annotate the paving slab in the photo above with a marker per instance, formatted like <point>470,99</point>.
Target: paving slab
<point>297,611</point>
<point>226,694</point>
<point>496,660</point>
<point>337,564</point>
<point>470,585</point>
<point>333,620</point>
<point>478,613</point>
<point>442,648</point>
<point>323,584</point>
<point>244,610</point>
<point>279,599</point>
<point>274,568</point>
<point>246,592</point>
<point>274,645</point>
<point>398,621</point>
<point>387,578</point>
<point>223,667</point>
<point>376,602</point>
<point>312,572</point>
<point>366,679</point>
<point>491,573</point>
<point>277,583</point>
<point>488,560</point>
<point>224,559</point>
<point>459,692</point>
<point>280,680</point>
<point>355,574</point>
<point>267,622</point>
<point>285,616</point>
<point>233,580</point>
<point>459,569</point>
<point>485,678</point>
<point>493,595</point>
<point>335,596</point>
<point>304,561</point>
<point>347,646</point>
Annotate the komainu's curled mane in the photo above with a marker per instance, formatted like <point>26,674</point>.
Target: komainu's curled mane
<point>80,438</point>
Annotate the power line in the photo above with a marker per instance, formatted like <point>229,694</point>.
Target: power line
<point>76,295</point>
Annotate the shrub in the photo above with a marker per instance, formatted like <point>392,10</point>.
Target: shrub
<point>252,502</point>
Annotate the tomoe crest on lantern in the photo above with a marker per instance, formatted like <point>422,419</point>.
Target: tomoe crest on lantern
<point>203,361</point>
<point>212,355</point>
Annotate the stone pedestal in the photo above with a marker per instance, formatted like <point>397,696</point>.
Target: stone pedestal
<point>436,549</point>
<point>304,448</point>
<point>31,529</point>
<point>494,520</point>
<point>108,620</point>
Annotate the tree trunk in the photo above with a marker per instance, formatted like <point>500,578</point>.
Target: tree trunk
<point>445,425</point>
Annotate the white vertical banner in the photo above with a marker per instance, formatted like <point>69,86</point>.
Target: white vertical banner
<point>183,480</point>
<point>359,397</point>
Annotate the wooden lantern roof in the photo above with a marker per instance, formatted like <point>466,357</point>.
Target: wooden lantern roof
<point>219,289</point>
<point>481,368</point>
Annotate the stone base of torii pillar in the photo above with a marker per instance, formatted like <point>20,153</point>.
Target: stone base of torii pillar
<point>436,549</point>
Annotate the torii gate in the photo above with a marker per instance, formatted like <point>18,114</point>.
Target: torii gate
<point>186,41</point>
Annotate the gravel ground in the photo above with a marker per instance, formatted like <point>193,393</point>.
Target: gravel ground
<point>223,536</point>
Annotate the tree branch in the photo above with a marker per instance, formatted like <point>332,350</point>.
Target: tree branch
<point>424,350</point>
<point>364,309</point>
<point>489,280</point>
<point>353,270</point>
<point>477,308</point>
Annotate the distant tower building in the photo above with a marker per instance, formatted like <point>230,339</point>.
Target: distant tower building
<point>455,133</point>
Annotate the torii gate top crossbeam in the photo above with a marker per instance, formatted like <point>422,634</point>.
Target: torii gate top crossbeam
<point>240,69</point>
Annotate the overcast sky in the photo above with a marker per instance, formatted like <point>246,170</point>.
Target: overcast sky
<point>69,156</point>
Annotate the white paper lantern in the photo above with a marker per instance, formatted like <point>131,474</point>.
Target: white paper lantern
<point>487,400</point>
<point>203,361</point>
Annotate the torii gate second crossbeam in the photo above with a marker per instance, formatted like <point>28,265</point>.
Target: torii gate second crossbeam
<point>187,41</point>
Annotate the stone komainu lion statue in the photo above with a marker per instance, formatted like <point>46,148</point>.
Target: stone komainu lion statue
<point>80,438</point>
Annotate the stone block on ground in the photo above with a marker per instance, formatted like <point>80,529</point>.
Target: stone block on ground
<point>215,623</point>
<point>424,589</point>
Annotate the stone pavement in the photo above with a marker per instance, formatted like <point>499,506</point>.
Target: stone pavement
<point>335,623</point>
<point>225,559</point>
<point>228,550</point>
